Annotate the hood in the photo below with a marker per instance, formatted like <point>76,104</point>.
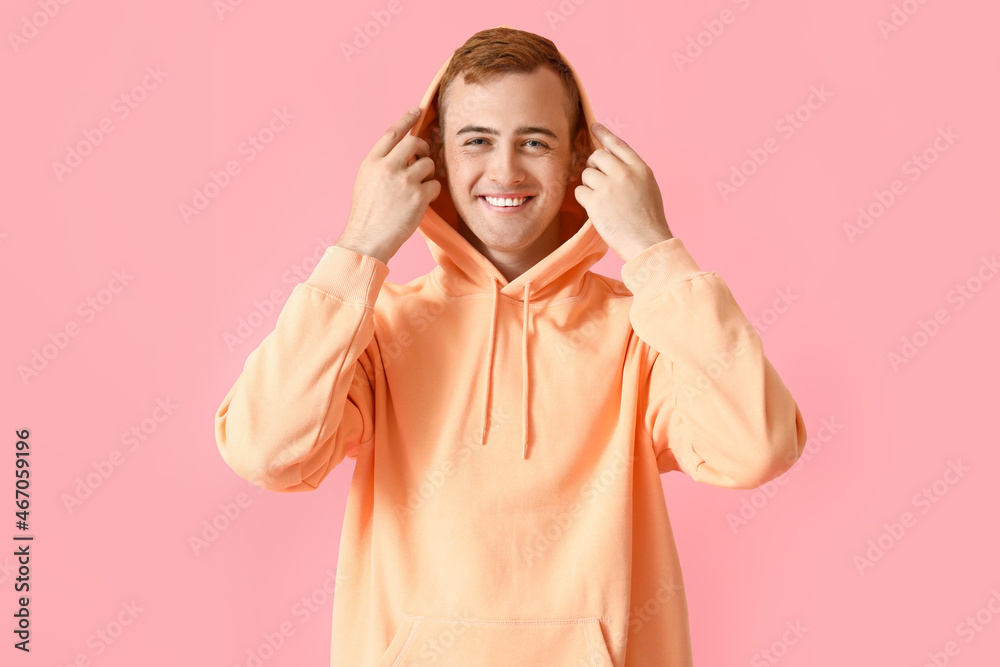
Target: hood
<point>466,271</point>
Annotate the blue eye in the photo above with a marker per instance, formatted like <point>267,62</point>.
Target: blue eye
<point>471,142</point>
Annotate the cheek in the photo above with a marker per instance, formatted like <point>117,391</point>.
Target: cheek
<point>461,168</point>
<point>558,172</point>
<point>557,181</point>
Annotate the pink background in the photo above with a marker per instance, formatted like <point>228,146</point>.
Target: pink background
<point>163,335</point>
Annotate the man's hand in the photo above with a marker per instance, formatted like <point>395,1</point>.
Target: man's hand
<point>621,197</point>
<point>390,192</point>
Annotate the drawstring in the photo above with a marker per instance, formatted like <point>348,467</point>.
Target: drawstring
<point>524,374</point>
<point>494,284</point>
<point>489,361</point>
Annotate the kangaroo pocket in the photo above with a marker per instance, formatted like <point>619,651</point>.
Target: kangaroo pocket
<point>422,641</point>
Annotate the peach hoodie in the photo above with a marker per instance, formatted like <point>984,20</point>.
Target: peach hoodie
<point>508,439</point>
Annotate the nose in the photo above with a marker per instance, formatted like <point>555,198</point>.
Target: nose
<point>505,166</point>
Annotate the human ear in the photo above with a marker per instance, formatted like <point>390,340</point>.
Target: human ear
<point>437,150</point>
<point>581,153</point>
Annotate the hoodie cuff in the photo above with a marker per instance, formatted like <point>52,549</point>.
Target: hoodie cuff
<point>656,269</point>
<point>349,276</point>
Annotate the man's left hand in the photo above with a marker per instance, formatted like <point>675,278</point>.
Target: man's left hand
<point>621,197</point>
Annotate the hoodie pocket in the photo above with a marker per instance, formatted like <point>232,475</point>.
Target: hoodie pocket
<point>422,641</point>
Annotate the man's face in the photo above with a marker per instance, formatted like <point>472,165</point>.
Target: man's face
<point>510,137</point>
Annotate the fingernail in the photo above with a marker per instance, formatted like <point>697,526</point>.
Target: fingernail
<point>415,110</point>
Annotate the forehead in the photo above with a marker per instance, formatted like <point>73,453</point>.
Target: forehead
<point>508,100</point>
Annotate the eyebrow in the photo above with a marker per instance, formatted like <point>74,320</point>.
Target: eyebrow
<point>524,129</point>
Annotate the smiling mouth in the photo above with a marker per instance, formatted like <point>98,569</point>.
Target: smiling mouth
<point>505,209</point>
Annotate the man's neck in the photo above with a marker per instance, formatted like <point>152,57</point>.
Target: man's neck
<point>513,264</point>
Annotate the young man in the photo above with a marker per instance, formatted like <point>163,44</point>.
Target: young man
<point>509,413</point>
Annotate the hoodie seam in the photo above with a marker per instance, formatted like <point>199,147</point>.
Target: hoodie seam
<point>615,287</point>
<point>584,293</point>
<point>642,421</point>
<point>512,621</point>
<point>644,379</point>
<point>367,306</point>
<point>320,430</point>
<point>535,305</point>
<point>646,303</point>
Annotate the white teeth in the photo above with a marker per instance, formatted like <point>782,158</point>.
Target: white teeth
<point>506,202</point>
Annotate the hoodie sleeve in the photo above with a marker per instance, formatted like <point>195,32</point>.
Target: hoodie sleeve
<point>304,400</point>
<point>711,403</point>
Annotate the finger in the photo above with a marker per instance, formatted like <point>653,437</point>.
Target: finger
<point>593,178</point>
<point>602,159</point>
<point>615,145</point>
<point>408,150</point>
<point>432,188</point>
<point>393,135</point>
<point>423,167</point>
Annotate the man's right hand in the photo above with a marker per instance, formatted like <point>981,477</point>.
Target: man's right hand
<point>390,192</point>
